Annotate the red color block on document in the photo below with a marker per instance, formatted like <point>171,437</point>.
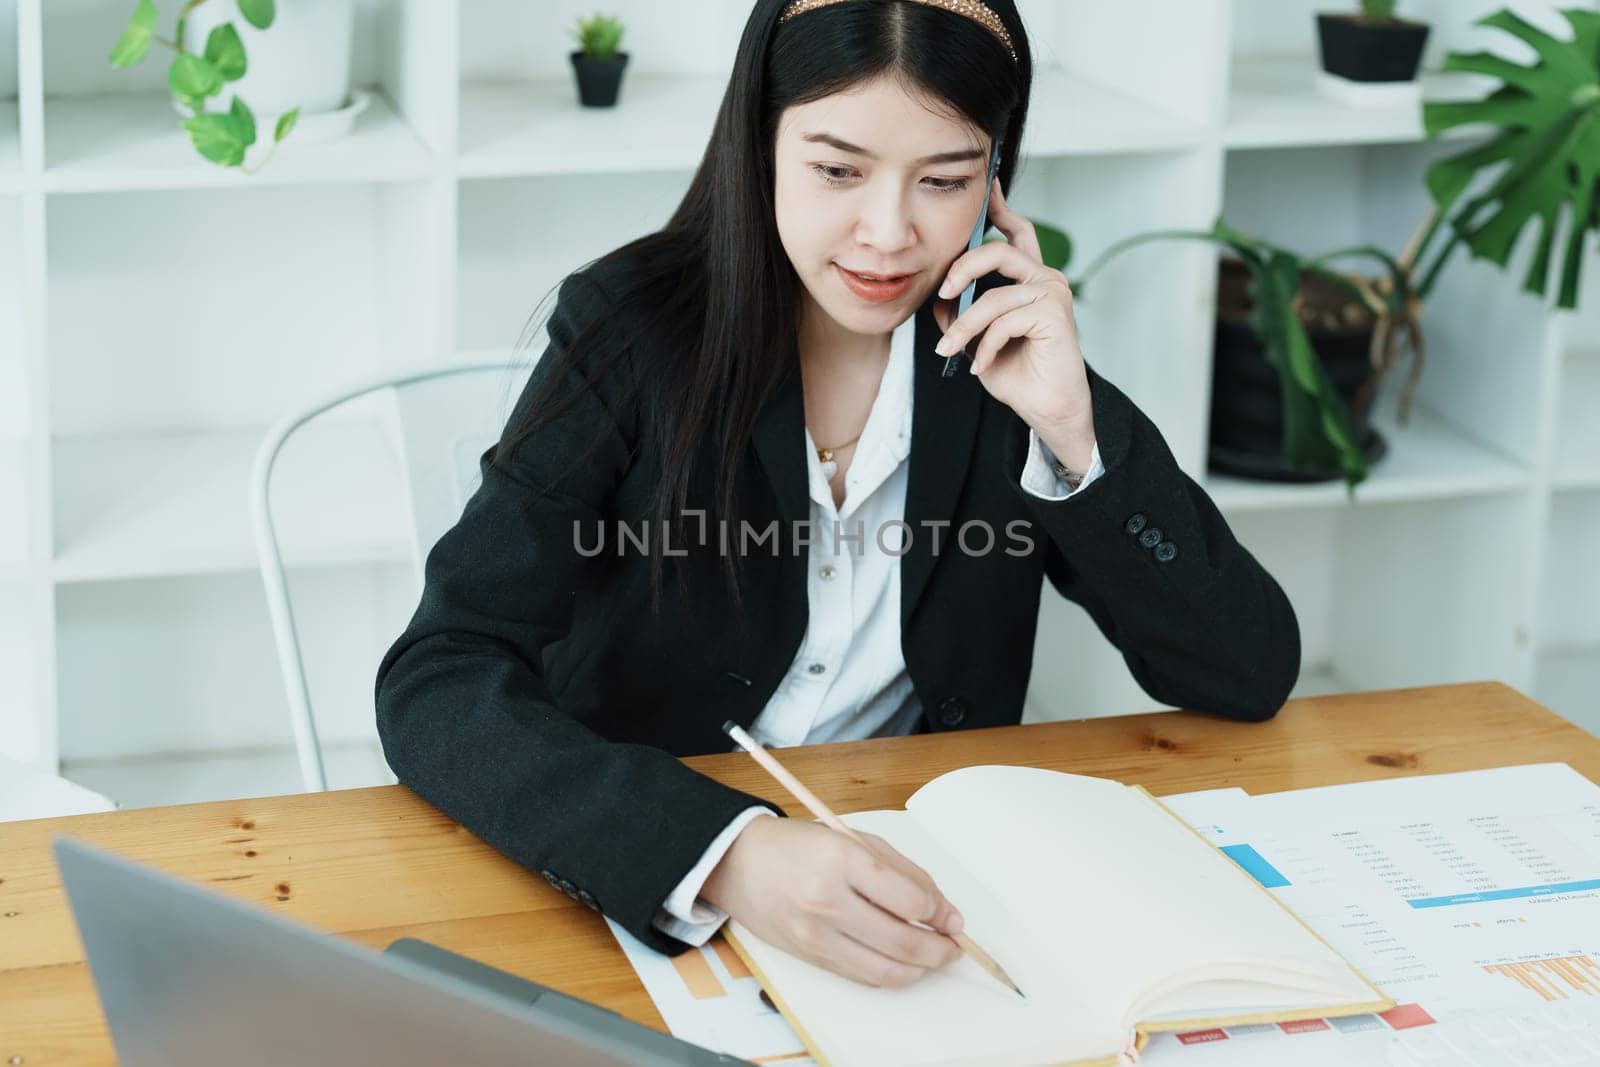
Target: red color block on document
<point>1303,1026</point>
<point>1200,1037</point>
<point>1406,1016</point>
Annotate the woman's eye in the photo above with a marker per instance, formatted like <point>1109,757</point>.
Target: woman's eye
<point>831,175</point>
<point>835,175</point>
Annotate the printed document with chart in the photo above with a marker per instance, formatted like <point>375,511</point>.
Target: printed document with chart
<point>1460,895</point>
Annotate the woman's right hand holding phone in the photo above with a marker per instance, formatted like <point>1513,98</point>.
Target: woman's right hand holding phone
<point>818,895</point>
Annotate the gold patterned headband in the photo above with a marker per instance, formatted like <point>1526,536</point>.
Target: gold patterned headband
<point>972,9</point>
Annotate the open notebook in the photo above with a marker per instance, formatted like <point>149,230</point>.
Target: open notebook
<point>1112,915</point>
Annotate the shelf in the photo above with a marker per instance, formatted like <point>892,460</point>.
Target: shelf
<point>1428,459</point>
<point>162,504</point>
<point>133,141</point>
<point>1274,103</point>
<point>13,508</point>
<point>1577,459</point>
<point>234,775</point>
<point>662,123</point>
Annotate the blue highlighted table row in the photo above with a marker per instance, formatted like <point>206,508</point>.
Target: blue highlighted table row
<point>1505,894</point>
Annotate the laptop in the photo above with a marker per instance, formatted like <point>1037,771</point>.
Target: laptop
<point>189,976</point>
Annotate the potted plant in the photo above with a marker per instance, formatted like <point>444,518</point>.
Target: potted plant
<point>197,74</point>
<point>1541,164</point>
<point>1372,46</point>
<point>1249,406</point>
<point>597,62</point>
<point>302,65</point>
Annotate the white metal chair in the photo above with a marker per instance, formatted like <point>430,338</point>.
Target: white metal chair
<point>438,433</point>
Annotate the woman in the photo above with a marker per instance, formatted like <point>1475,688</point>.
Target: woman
<point>751,402</point>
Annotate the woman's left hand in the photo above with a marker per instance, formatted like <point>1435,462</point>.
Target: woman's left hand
<point>1028,356</point>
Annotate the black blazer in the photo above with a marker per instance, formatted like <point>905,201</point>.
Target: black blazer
<point>535,699</point>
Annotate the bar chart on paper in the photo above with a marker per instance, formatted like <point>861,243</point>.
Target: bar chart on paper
<point>1455,894</point>
<point>1554,979</point>
<point>708,996</point>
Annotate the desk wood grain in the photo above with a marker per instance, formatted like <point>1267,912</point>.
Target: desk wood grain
<point>378,864</point>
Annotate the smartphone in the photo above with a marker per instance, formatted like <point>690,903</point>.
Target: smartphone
<point>978,229</point>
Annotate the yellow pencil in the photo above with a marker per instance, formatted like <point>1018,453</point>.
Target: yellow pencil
<point>824,815</point>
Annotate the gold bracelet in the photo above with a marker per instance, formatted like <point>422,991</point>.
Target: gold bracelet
<point>1072,478</point>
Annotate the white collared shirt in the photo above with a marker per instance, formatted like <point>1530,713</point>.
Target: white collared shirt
<point>848,680</point>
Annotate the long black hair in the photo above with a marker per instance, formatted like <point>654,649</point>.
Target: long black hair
<point>719,265</point>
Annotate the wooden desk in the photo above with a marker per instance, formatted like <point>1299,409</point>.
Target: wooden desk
<point>377,864</point>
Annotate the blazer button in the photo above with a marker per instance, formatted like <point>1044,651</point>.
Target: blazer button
<point>1151,537</point>
<point>953,711</point>
<point>1166,552</point>
<point>1135,523</point>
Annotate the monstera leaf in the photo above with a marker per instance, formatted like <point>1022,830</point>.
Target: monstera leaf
<point>1547,152</point>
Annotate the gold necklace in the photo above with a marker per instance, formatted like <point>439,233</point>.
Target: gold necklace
<point>825,456</point>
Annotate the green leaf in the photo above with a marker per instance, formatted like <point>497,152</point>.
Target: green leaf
<point>216,137</point>
<point>1318,432</point>
<point>225,51</point>
<point>258,13</point>
<point>1317,428</point>
<point>244,122</point>
<point>1055,247</point>
<point>1448,178</point>
<point>192,76</point>
<point>1377,10</point>
<point>1544,161</point>
<point>134,43</point>
<point>286,123</point>
<point>224,137</point>
<point>599,36</point>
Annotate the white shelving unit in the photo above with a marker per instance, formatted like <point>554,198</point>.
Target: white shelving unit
<point>158,313</point>
<point>1577,463</point>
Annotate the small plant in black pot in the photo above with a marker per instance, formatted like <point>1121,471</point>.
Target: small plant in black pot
<point>1373,46</point>
<point>597,63</point>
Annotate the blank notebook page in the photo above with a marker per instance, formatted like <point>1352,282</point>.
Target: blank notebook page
<point>956,1015</point>
<point>1160,901</point>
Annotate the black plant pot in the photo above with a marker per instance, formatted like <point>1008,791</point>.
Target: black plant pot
<point>1247,396</point>
<point>599,79</point>
<point>1371,51</point>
